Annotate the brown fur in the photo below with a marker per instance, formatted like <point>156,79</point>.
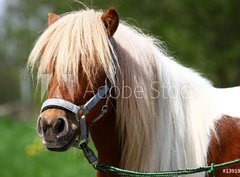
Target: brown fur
<point>227,146</point>
<point>111,20</point>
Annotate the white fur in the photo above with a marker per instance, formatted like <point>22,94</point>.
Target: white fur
<point>228,101</point>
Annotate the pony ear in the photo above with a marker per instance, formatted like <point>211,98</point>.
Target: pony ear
<point>110,19</point>
<point>52,18</point>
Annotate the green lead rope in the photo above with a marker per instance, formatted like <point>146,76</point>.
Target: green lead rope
<point>89,154</point>
<point>122,172</point>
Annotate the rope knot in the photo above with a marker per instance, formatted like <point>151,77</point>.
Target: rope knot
<point>212,170</point>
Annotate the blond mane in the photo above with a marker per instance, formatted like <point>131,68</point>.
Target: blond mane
<point>84,37</point>
<point>158,131</point>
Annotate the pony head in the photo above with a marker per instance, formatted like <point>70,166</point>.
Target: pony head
<point>76,54</point>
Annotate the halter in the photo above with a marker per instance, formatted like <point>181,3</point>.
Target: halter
<point>83,138</point>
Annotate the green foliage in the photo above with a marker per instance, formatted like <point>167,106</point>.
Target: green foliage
<point>9,81</point>
<point>19,139</point>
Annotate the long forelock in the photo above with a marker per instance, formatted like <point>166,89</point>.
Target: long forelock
<point>77,41</point>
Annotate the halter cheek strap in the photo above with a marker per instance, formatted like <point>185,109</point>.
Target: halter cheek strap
<point>63,104</point>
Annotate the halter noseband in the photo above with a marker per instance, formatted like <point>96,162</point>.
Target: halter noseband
<point>75,109</point>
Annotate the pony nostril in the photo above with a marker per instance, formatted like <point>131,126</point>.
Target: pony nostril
<point>39,127</point>
<point>60,125</point>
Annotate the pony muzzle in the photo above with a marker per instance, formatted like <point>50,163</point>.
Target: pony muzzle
<point>54,131</point>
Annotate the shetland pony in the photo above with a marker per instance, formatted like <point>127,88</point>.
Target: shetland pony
<point>161,115</point>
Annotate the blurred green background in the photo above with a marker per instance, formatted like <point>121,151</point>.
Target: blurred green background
<point>201,34</point>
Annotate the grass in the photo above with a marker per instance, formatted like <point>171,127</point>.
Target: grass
<point>23,155</point>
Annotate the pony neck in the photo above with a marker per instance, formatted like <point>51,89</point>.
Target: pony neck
<point>106,140</point>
